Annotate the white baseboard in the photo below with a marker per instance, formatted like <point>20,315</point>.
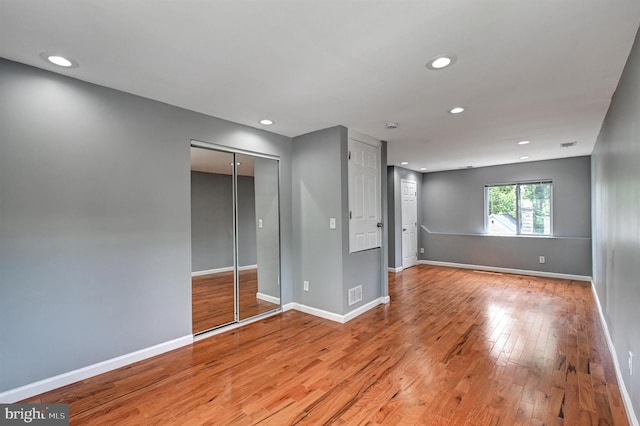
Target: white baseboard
<point>288,307</point>
<point>41,386</point>
<point>316,312</point>
<point>362,309</point>
<point>385,300</point>
<point>398,269</point>
<point>507,270</point>
<point>626,398</point>
<point>225,269</point>
<point>246,268</point>
<point>332,316</point>
<point>267,298</point>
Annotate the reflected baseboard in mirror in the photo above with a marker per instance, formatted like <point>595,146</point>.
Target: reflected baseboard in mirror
<point>250,303</point>
<point>213,299</point>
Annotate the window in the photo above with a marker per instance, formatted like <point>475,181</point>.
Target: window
<point>518,208</point>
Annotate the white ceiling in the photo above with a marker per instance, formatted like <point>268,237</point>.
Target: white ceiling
<point>527,69</point>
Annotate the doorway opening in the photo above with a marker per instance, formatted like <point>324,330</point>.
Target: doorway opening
<point>409,223</point>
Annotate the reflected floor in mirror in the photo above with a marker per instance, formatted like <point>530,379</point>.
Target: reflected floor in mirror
<point>213,299</point>
<point>454,346</point>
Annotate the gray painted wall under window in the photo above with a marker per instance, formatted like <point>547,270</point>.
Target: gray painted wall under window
<point>616,220</point>
<point>453,213</point>
<point>212,221</point>
<point>95,220</point>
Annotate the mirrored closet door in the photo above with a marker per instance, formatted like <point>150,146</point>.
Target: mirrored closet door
<point>235,237</point>
<point>258,282</point>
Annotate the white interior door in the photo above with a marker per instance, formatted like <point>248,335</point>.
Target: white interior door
<point>409,223</point>
<point>365,210</point>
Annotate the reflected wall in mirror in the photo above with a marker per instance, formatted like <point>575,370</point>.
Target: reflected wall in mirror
<point>259,287</point>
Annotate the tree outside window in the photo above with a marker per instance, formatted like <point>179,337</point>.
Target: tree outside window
<point>519,208</point>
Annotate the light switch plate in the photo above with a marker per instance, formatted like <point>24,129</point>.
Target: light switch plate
<point>332,223</point>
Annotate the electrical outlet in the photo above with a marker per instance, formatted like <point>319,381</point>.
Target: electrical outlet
<point>630,363</point>
<point>306,285</point>
<point>541,259</point>
<point>422,250</point>
<point>332,223</point>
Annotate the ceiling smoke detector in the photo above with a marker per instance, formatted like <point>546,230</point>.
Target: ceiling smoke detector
<point>391,125</point>
<point>568,144</point>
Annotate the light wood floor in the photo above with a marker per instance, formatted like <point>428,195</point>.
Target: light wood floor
<point>212,298</point>
<point>454,347</point>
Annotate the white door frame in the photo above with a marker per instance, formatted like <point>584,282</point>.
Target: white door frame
<point>409,213</point>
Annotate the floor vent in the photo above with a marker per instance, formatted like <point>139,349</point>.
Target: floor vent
<point>355,295</point>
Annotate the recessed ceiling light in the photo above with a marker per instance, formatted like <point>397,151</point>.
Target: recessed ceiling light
<point>524,157</point>
<point>58,60</point>
<point>457,110</point>
<point>266,122</point>
<point>441,61</point>
<point>523,142</point>
<point>404,163</point>
<point>423,168</point>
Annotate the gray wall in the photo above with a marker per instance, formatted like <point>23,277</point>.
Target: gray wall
<point>317,196</point>
<point>396,175</point>
<point>95,220</point>
<point>391,217</point>
<point>212,221</point>
<point>321,255</point>
<point>453,213</point>
<point>616,224</point>
<point>386,221</point>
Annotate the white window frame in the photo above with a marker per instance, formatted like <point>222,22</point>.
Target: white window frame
<point>517,185</point>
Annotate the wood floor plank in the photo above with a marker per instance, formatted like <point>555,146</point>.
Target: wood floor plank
<point>454,347</point>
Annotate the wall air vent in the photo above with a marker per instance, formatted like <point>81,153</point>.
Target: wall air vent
<point>568,144</point>
<point>355,295</point>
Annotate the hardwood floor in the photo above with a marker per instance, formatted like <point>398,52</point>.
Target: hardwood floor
<point>454,347</point>
<point>212,297</point>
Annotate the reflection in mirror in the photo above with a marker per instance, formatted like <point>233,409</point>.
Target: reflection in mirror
<point>212,259</point>
<point>258,235</point>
